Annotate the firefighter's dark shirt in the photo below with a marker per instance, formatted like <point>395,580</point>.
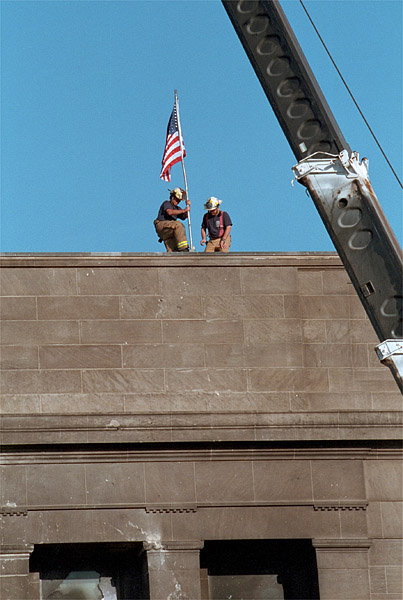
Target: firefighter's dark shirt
<point>164,216</point>
<point>212,223</point>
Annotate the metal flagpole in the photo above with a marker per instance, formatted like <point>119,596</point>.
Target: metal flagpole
<point>192,248</point>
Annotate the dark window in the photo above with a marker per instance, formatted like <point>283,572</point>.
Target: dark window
<point>91,571</point>
<point>293,562</point>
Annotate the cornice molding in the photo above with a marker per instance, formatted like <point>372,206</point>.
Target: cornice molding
<point>200,427</point>
<point>187,507</point>
<point>309,260</point>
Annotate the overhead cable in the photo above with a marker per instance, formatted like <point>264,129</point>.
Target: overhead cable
<point>351,95</point>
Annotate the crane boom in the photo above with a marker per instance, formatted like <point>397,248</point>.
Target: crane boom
<point>336,180</point>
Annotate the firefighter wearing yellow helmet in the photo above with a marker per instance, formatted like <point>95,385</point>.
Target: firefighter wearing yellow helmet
<point>168,229</point>
<point>218,225</point>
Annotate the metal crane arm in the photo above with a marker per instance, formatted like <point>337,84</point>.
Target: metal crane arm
<point>337,181</point>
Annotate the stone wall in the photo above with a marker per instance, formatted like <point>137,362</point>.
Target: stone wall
<point>168,400</point>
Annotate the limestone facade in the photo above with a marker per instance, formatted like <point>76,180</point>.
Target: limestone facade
<point>176,425</point>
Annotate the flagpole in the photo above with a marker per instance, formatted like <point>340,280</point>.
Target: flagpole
<point>192,248</point>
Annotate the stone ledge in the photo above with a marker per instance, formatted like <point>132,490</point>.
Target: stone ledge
<point>196,259</point>
<point>199,427</point>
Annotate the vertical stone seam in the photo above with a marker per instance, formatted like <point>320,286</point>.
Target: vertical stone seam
<point>253,480</point>
<point>77,281</point>
<point>194,481</point>
<point>241,281</point>
<point>289,402</point>
<point>85,484</point>
<point>382,525</point>
<point>26,485</point>
<point>144,483</point>
<point>121,357</point>
<point>311,475</point>
<point>321,281</point>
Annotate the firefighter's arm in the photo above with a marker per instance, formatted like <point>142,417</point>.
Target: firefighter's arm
<point>226,233</point>
<point>180,212</point>
<point>203,234</point>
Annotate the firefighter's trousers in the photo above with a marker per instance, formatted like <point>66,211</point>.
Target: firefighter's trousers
<point>173,234</point>
<point>214,245</point>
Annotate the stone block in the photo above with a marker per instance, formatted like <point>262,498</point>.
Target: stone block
<point>209,380</point>
<point>394,580</point>
<point>114,483</point>
<point>320,401</point>
<point>121,332</point>
<point>362,332</point>
<point>117,281</point>
<point>293,307</point>
<point>224,355</point>
<point>18,308</point>
<point>356,309</point>
<point>157,307</point>
<point>19,357</point>
<point>85,526</point>
<point>338,480</point>
<point>255,522</point>
<point>282,379</point>
<point>386,553</point>
<point>14,403</point>
<point>184,332</point>
<point>244,307</point>
<point>361,380</point>
<point>377,576</point>
<point>55,484</point>
<point>264,280</point>
<point>360,356</point>
<point>269,331</point>
<point>13,486</point>
<point>387,400</point>
<point>200,281</point>
<point>309,282</point>
<point>83,403</point>
<point>21,281</point>
<point>163,355</point>
<point>327,355</point>
<point>123,380</point>
<point>374,520</point>
<point>224,481</point>
<point>174,574</point>
<point>340,584</point>
<point>282,481</point>
<point>17,587</point>
<point>274,355</point>
<point>384,480</point>
<point>78,307</point>
<point>338,331</point>
<point>33,333</point>
<point>353,523</point>
<point>168,482</point>
<point>80,357</point>
<point>325,307</point>
<point>336,282</point>
<point>392,522</point>
<point>313,331</point>
<point>41,382</point>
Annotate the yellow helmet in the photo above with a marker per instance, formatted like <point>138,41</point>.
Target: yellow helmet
<point>212,203</point>
<point>178,193</point>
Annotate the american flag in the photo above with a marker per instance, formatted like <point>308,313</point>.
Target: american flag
<point>172,151</point>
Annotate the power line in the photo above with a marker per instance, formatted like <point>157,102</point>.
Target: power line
<point>351,94</point>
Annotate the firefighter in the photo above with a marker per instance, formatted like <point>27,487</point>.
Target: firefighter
<point>218,224</point>
<point>168,229</point>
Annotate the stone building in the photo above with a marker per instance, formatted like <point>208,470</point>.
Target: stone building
<point>195,427</point>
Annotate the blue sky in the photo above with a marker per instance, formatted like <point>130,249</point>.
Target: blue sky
<point>88,88</point>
